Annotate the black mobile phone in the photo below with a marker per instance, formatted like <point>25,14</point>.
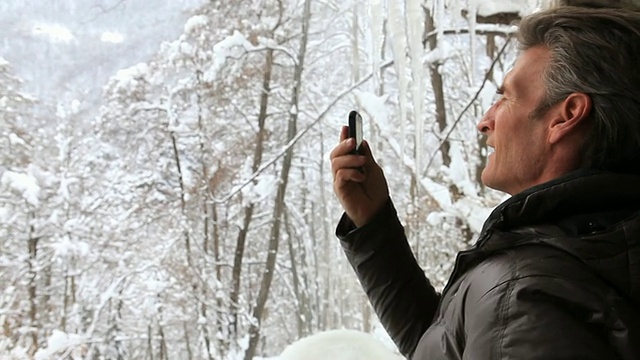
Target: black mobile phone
<point>355,129</point>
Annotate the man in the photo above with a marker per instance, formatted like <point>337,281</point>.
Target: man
<point>555,273</point>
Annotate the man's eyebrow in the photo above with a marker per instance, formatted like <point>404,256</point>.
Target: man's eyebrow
<point>506,80</point>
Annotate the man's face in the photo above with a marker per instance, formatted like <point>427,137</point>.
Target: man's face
<point>519,141</point>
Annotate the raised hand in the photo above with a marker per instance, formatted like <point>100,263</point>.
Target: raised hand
<point>358,181</point>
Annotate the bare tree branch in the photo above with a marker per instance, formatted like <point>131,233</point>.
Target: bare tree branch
<point>298,136</point>
<point>473,100</point>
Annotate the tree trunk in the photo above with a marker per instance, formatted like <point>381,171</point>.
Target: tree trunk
<point>183,204</point>
<point>322,290</point>
<point>295,279</point>
<point>274,237</point>
<point>65,304</point>
<point>149,343</point>
<point>162,355</point>
<point>222,342</point>
<point>206,199</point>
<point>32,244</point>
<point>248,210</point>
<point>438,90</point>
<point>355,46</point>
<point>304,315</point>
<point>187,341</point>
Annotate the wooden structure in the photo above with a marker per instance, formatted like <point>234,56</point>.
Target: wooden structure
<point>511,17</point>
<point>631,4</point>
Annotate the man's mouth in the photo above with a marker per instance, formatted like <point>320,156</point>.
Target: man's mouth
<point>490,150</point>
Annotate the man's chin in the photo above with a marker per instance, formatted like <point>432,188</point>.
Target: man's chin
<point>485,176</point>
<point>491,181</point>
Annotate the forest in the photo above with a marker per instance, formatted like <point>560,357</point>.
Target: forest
<point>183,209</point>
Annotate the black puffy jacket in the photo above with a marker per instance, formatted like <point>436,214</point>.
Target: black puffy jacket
<point>555,274</point>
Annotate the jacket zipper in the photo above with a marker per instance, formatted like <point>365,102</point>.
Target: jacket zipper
<point>456,267</point>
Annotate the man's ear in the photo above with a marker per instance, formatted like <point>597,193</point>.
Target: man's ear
<point>570,115</point>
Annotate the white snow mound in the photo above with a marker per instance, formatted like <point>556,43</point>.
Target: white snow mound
<point>339,345</point>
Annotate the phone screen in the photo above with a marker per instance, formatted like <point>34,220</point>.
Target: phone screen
<point>355,128</point>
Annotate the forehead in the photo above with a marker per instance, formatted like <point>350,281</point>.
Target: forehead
<point>529,68</point>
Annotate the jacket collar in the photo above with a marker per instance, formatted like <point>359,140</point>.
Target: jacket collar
<point>533,216</point>
<point>581,191</point>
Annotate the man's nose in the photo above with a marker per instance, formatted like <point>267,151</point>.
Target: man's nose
<point>486,123</point>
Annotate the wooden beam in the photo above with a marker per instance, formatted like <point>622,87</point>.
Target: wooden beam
<point>508,18</point>
<point>630,4</point>
<point>497,18</point>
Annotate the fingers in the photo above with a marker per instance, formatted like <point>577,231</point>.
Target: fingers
<point>343,148</point>
<point>343,159</point>
<point>345,176</point>
<point>344,133</point>
<point>345,164</point>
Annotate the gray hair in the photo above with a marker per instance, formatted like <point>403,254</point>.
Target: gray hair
<point>596,52</point>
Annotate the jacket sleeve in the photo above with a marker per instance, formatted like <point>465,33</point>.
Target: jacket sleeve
<point>401,295</point>
<point>534,314</point>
